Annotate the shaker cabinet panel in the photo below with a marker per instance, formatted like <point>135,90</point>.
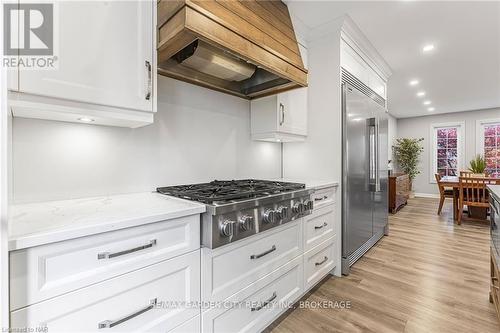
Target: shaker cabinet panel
<point>281,117</point>
<point>105,55</point>
<point>105,66</point>
<point>134,302</point>
<point>355,64</point>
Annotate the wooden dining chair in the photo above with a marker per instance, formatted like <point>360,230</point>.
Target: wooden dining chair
<point>443,192</point>
<point>465,173</point>
<point>473,193</point>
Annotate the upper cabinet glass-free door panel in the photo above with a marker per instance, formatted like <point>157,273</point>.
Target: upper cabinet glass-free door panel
<point>104,51</point>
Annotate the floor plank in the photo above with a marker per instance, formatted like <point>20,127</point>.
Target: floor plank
<point>428,275</point>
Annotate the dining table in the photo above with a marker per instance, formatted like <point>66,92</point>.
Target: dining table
<point>452,182</point>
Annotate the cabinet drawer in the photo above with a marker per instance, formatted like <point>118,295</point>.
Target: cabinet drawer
<point>50,270</point>
<point>124,302</point>
<point>228,269</point>
<point>323,197</point>
<point>318,226</point>
<point>191,326</point>
<point>248,316</point>
<point>319,261</point>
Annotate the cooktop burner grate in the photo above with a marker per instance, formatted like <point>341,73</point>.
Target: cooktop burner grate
<point>225,191</point>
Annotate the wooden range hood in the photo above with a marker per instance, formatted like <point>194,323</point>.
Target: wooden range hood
<point>244,48</point>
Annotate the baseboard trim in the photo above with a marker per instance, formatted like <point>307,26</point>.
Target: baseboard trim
<point>426,195</point>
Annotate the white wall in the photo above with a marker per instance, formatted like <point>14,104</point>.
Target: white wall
<point>198,135</point>
<point>319,157</point>
<point>419,127</point>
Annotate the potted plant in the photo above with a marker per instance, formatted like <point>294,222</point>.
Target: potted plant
<point>407,154</point>
<point>477,166</point>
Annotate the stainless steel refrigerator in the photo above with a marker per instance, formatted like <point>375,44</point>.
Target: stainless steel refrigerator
<point>365,170</point>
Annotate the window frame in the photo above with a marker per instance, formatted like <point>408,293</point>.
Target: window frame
<point>480,123</point>
<point>460,125</point>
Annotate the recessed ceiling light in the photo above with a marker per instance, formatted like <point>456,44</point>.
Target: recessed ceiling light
<point>421,94</point>
<point>428,48</point>
<point>431,109</point>
<point>413,82</point>
<point>427,102</point>
<point>86,119</point>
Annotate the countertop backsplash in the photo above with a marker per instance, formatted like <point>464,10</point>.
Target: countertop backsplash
<point>198,135</point>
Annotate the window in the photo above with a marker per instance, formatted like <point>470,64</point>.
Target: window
<point>446,149</point>
<point>488,145</point>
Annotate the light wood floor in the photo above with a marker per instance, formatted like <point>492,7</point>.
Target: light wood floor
<point>429,275</point>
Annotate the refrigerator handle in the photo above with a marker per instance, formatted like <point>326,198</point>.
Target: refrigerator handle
<point>372,155</point>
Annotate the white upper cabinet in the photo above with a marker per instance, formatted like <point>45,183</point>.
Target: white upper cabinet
<point>105,66</point>
<point>359,66</point>
<point>353,63</point>
<point>281,117</point>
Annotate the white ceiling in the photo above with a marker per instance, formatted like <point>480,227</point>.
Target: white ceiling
<point>462,73</point>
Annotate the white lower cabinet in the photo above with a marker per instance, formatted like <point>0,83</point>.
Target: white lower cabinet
<point>303,253</point>
<point>319,261</point>
<point>255,307</point>
<point>228,269</point>
<point>191,326</point>
<point>46,271</point>
<point>324,197</point>
<point>140,301</point>
<point>319,226</point>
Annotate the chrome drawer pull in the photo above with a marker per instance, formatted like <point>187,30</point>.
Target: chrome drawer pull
<point>319,199</point>
<point>110,323</point>
<point>321,262</point>
<point>320,226</point>
<point>149,84</point>
<point>108,255</point>
<point>257,256</point>
<point>272,298</point>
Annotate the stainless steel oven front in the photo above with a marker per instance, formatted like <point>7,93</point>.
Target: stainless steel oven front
<point>495,224</point>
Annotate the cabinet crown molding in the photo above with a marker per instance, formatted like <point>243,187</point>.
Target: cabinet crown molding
<point>353,35</point>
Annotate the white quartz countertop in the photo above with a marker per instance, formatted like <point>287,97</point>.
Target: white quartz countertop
<point>53,221</point>
<point>495,191</point>
<point>316,184</point>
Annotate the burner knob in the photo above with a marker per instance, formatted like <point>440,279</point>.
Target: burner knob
<point>270,216</point>
<point>298,208</point>
<point>309,204</point>
<point>246,222</point>
<point>284,212</point>
<point>227,228</point>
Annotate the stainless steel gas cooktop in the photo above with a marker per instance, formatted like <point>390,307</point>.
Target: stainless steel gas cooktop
<point>237,209</point>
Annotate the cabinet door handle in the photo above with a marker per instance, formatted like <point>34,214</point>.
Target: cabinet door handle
<point>320,226</point>
<point>282,111</point>
<point>111,323</point>
<point>257,256</point>
<point>109,255</point>
<point>149,81</point>
<point>321,262</point>
<point>320,199</point>
<point>269,300</point>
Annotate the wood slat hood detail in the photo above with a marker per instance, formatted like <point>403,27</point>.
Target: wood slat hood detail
<point>252,37</point>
